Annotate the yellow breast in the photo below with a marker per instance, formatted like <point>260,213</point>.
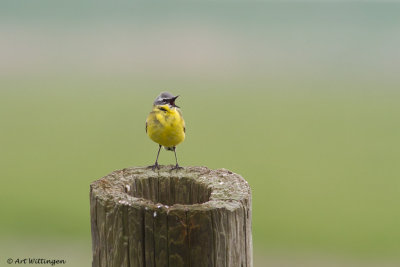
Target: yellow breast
<point>165,126</point>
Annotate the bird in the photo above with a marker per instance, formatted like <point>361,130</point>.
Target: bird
<point>165,125</point>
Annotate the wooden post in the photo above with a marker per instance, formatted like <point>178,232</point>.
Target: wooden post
<point>191,217</point>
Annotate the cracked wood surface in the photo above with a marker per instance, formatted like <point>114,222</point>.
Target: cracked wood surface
<point>191,217</point>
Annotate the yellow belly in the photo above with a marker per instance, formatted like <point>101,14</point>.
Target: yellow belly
<point>166,129</point>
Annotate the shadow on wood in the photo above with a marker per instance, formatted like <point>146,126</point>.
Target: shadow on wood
<point>191,217</point>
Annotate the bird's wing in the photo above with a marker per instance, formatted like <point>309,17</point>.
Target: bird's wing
<point>183,121</point>
<point>146,126</point>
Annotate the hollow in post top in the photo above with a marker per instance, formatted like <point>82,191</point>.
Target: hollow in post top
<point>194,188</point>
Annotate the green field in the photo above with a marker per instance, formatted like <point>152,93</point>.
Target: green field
<point>321,158</point>
<point>301,99</point>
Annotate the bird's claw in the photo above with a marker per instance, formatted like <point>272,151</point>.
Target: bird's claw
<point>176,167</point>
<point>153,167</point>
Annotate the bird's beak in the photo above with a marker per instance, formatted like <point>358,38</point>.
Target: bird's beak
<point>172,101</point>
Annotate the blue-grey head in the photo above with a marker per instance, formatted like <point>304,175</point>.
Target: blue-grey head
<point>166,98</point>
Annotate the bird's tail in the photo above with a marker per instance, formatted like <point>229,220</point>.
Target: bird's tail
<point>169,148</point>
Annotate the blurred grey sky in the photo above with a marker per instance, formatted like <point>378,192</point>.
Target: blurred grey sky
<point>348,40</point>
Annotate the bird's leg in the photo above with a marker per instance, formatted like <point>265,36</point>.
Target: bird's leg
<point>153,167</point>
<point>176,159</point>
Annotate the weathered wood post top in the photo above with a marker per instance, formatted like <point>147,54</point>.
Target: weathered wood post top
<point>188,217</point>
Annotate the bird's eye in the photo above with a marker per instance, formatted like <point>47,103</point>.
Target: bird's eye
<point>163,109</point>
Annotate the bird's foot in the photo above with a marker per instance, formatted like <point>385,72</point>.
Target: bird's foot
<point>176,167</point>
<point>153,167</point>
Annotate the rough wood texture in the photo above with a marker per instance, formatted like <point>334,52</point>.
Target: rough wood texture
<point>191,217</point>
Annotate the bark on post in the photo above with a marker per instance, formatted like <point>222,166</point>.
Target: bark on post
<point>191,217</point>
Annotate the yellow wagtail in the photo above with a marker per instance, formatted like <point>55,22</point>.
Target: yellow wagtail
<point>165,125</point>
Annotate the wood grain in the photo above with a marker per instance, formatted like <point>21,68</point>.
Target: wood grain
<point>191,217</point>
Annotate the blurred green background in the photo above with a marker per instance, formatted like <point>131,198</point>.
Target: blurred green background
<point>301,99</point>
